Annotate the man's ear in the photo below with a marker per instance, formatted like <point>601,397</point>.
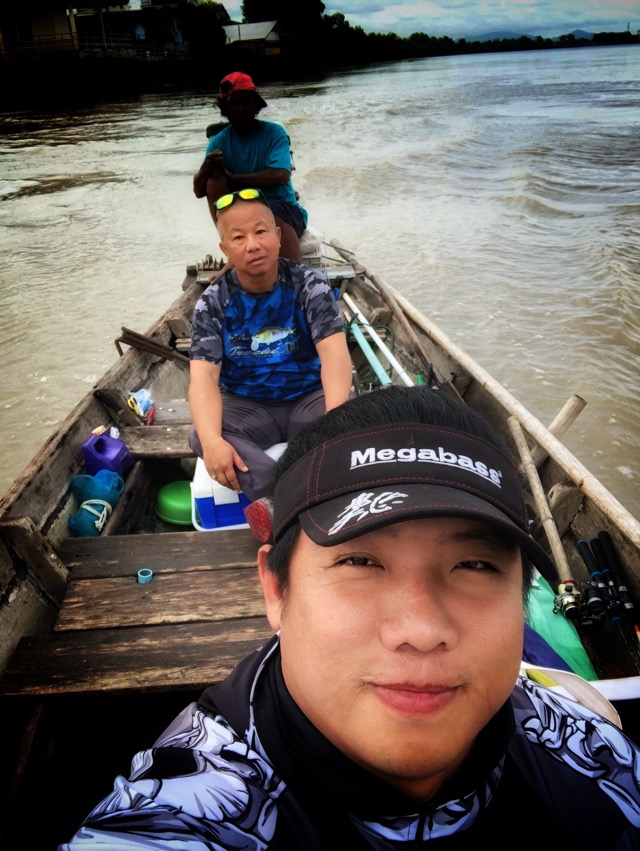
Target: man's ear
<point>269,582</point>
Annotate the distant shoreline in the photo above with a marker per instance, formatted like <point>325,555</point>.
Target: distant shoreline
<point>66,79</point>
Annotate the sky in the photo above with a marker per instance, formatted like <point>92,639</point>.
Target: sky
<point>464,18</point>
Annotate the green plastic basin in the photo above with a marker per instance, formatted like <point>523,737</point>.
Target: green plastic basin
<point>173,503</point>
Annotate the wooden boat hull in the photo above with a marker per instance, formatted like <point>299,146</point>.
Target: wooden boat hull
<point>83,644</point>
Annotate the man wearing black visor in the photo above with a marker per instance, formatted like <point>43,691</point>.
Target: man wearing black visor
<point>388,710</point>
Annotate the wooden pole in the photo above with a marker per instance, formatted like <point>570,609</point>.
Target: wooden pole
<point>542,506</point>
<point>561,422</point>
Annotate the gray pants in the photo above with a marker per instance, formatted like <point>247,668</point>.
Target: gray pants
<point>252,426</point>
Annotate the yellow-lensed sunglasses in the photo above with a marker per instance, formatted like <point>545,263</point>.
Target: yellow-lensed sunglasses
<point>246,195</point>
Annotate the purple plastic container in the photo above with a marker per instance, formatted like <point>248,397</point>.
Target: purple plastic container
<point>103,452</point>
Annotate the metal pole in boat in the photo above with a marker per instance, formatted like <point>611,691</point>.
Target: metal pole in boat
<point>369,353</point>
<point>378,341</point>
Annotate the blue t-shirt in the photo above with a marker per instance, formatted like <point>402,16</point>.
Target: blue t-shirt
<point>267,147</point>
<point>266,343</point>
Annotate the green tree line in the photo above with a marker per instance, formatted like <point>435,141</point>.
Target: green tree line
<point>321,40</point>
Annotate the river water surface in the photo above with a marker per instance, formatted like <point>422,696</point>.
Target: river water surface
<point>499,193</point>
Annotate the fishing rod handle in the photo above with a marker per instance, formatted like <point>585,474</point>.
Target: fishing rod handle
<point>611,566</point>
<point>610,556</point>
<point>587,556</point>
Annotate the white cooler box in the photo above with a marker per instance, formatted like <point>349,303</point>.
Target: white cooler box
<point>216,507</point>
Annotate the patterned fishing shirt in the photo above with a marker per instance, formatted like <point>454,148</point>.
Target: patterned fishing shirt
<point>243,768</point>
<point>266,343</point>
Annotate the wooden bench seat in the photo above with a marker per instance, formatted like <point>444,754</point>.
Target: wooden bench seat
<point>158,441</point>
<point>167,437</point>
<point>123,555</point>
<point>172,413</point>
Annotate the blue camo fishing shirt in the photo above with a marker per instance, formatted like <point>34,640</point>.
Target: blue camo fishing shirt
<point>244,770</point>
<point>266,344</point>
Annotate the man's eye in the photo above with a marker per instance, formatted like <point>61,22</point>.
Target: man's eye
<point>358,561</point>
<point>475,564</point>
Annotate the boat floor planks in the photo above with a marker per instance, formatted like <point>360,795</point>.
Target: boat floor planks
<point>170,657</point>
<point>121,602</point>
<point>119,555</point>
<point>185,629</point>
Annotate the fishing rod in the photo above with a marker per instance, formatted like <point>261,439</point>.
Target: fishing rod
<point>624,609</point>
<point>605,594</point>
<point>595,597</point>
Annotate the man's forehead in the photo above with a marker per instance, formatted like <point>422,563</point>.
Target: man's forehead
<point>249,218</point>
<point>240,97</point>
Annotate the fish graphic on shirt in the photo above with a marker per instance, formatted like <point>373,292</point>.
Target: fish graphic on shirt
<point>269,335</point>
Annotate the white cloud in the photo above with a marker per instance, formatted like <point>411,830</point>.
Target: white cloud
<point>459,18</point>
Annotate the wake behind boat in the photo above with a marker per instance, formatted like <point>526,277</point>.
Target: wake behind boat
<point>142,593</point>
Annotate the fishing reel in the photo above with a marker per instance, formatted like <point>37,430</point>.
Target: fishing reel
<point>567,600</point>
<point>585,606</point>
<point>595,600</point>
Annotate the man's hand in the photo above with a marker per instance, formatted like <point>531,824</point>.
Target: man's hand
<point>221,459</point>
<point>215,162</point>
<point>212,167</point>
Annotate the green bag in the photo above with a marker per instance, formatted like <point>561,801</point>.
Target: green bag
<point>558,632</point>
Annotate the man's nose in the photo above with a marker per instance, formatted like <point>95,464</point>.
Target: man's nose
<point>252,241</point>
<point>417,615</point>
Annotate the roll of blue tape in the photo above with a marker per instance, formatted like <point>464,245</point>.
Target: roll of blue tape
<point>145,575</point>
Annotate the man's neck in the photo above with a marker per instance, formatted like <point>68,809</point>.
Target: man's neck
<point>256,285</point>
<point>247,129</point>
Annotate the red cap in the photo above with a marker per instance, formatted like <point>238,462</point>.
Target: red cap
<point>239,82</point>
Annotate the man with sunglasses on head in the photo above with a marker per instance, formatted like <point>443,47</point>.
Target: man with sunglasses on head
<point>268,350</point>
<point>252,153</point>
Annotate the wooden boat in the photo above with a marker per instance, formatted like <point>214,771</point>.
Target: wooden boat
<point>94,664</point>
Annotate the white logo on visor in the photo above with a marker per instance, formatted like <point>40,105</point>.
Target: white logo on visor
<point>365,504</point>
<point>425,455</point>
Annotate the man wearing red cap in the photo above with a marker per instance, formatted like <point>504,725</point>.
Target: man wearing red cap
<point>252,153</point>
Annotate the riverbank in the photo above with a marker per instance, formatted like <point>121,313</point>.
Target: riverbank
<point>70,78</point>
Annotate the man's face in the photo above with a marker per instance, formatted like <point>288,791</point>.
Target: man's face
<point>401,644</point>
<point>241,110</point>
<point>251,241</point>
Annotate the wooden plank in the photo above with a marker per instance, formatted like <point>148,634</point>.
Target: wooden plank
<point>169,552</point>
<point>158,441</point>
<point>130,501</point>
<point>115,405</point>
<point>211,595</point>
<point>27,544</point>
<point>173,412</point>
<point>147,343</point>
<point>180,325</point>
<point>121,661</point>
